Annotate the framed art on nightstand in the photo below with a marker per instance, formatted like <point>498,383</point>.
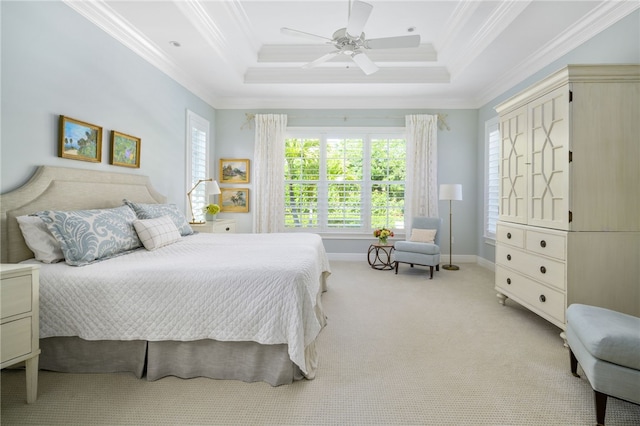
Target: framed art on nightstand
<point>234,200</point>
<point>125,150</point>
<point>234,171</point>
<point>80,140</point>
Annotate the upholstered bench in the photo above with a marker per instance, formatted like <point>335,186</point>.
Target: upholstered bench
<point>607,346</point>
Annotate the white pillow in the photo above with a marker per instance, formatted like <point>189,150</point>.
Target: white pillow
<point>423,235</point>
<point>156,233</point>
<point>40,240</point>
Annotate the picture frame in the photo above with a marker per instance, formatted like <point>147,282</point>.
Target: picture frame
<point>234,200</point>
<point>125,150</point>
<point>234,170</point>
<point>79,140</point>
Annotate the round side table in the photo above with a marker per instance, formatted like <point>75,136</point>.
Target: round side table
<point>379,256</point>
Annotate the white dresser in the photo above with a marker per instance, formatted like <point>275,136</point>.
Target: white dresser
<point>569,228</point>
<point>217,226</point>
<point>19,304</point>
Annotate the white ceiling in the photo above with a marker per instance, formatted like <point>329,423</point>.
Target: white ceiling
<point>233,55</point>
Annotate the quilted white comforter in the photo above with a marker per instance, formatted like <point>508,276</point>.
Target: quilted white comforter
<point>228,287</point>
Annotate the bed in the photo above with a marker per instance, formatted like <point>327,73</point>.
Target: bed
<point>225,306</point>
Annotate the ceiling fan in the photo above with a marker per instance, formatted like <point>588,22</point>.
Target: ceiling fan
<point>351,40</point>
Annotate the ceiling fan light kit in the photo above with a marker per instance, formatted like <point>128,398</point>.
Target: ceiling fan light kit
<point>348,43</point>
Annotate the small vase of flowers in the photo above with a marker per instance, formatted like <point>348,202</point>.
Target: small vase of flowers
<point>211,210</point>
<point>382,234</point>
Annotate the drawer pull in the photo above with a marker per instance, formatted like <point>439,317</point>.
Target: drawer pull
<point>543,269</point>
<point>508,235</point>
<point>543,298</point>
<point>508,280</point>
<point>543,243</point>
<point>508,257</point>
<point>226,229</point>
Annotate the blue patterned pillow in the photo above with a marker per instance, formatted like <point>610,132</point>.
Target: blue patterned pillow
<point>153,211</point>
<point>87,236</point>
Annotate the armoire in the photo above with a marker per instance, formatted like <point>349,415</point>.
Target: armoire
<point>569,204</point>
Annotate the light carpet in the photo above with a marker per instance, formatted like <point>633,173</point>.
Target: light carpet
<point>397,350</point>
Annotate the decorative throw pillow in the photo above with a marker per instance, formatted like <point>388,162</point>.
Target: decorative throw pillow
<point>39,239</point>
<point>86,236</point>
<point>423,235</point>
<point>153,211</point>
<point>156,233</point>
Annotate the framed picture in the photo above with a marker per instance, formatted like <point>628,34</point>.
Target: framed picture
<point>80,140</point>
<point>125,150</point>
<point>234,200</point>
<point>234,171</point>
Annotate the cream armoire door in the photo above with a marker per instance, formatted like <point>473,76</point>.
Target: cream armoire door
<point>534,161</point>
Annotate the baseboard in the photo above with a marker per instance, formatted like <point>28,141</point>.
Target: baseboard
<point>461,258</point>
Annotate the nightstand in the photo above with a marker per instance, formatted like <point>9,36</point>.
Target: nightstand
<point>19,329</point>
<point>217,227</point>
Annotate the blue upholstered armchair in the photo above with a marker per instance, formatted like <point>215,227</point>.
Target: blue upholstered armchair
<point>421,247</point>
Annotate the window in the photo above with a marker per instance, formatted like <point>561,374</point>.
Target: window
<point>197,162</point>
<point>492,179</point>
<point>349,181</point>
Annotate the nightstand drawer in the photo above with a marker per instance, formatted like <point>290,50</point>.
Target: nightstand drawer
<point>222,227</point>
<point>15,296</point>
<point>16,339</point>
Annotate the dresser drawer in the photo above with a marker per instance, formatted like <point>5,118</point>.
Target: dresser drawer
<point>531,294</point>
<point>540,268</point>
<point>15,297</point>
<point>552,245</point>
<point>16,339</point>
<point>510,235</point>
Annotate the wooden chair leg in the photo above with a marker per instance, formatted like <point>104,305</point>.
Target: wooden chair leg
<point>397,267</point>
<point>601,406</point>
<point>574,363</point>
<point>430,272</point>
<point>438,267</point>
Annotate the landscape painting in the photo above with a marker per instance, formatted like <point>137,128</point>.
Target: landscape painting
<point>80,140</point>
<point>234,171</point>
<point>234,200</point>
<point>125,150</point>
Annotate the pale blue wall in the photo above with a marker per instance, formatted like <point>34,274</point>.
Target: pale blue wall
<point>456,160</point>
<point>55,62</point>
<point>619,44</point>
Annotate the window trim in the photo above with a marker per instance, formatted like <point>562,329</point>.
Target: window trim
<point>197,121</point>
<point>490,126</point>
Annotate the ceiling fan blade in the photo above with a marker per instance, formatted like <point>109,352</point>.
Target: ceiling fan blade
<point>393,42</point>
<point>358,17</point>
<point>321,59</point>
<point>365,64</point>
<point>298,33</point>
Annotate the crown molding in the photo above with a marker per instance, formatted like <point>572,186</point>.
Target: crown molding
<point>605,15</point>
<point>287,53</point>
<point>351,75</point>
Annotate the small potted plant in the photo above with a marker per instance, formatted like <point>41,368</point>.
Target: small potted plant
<point>211,210</point>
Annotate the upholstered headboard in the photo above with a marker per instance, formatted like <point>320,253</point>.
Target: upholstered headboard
<point>61,188</point>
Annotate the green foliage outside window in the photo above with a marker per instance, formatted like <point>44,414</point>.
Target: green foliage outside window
<point>340,183</point>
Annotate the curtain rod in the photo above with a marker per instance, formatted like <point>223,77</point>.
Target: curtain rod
<point>442,119</point>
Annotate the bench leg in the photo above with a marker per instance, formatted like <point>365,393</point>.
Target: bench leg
<point>601,406</point>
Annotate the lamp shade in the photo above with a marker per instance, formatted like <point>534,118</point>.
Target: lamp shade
<point>451,191</point>
<point>214,189</point>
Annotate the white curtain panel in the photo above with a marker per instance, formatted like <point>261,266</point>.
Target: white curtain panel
<point>268,173</point>
<point>421,192</point>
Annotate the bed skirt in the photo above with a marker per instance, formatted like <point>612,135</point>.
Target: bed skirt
<point>246,361</point>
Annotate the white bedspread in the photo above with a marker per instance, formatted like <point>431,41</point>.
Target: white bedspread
<point>228,287</point>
